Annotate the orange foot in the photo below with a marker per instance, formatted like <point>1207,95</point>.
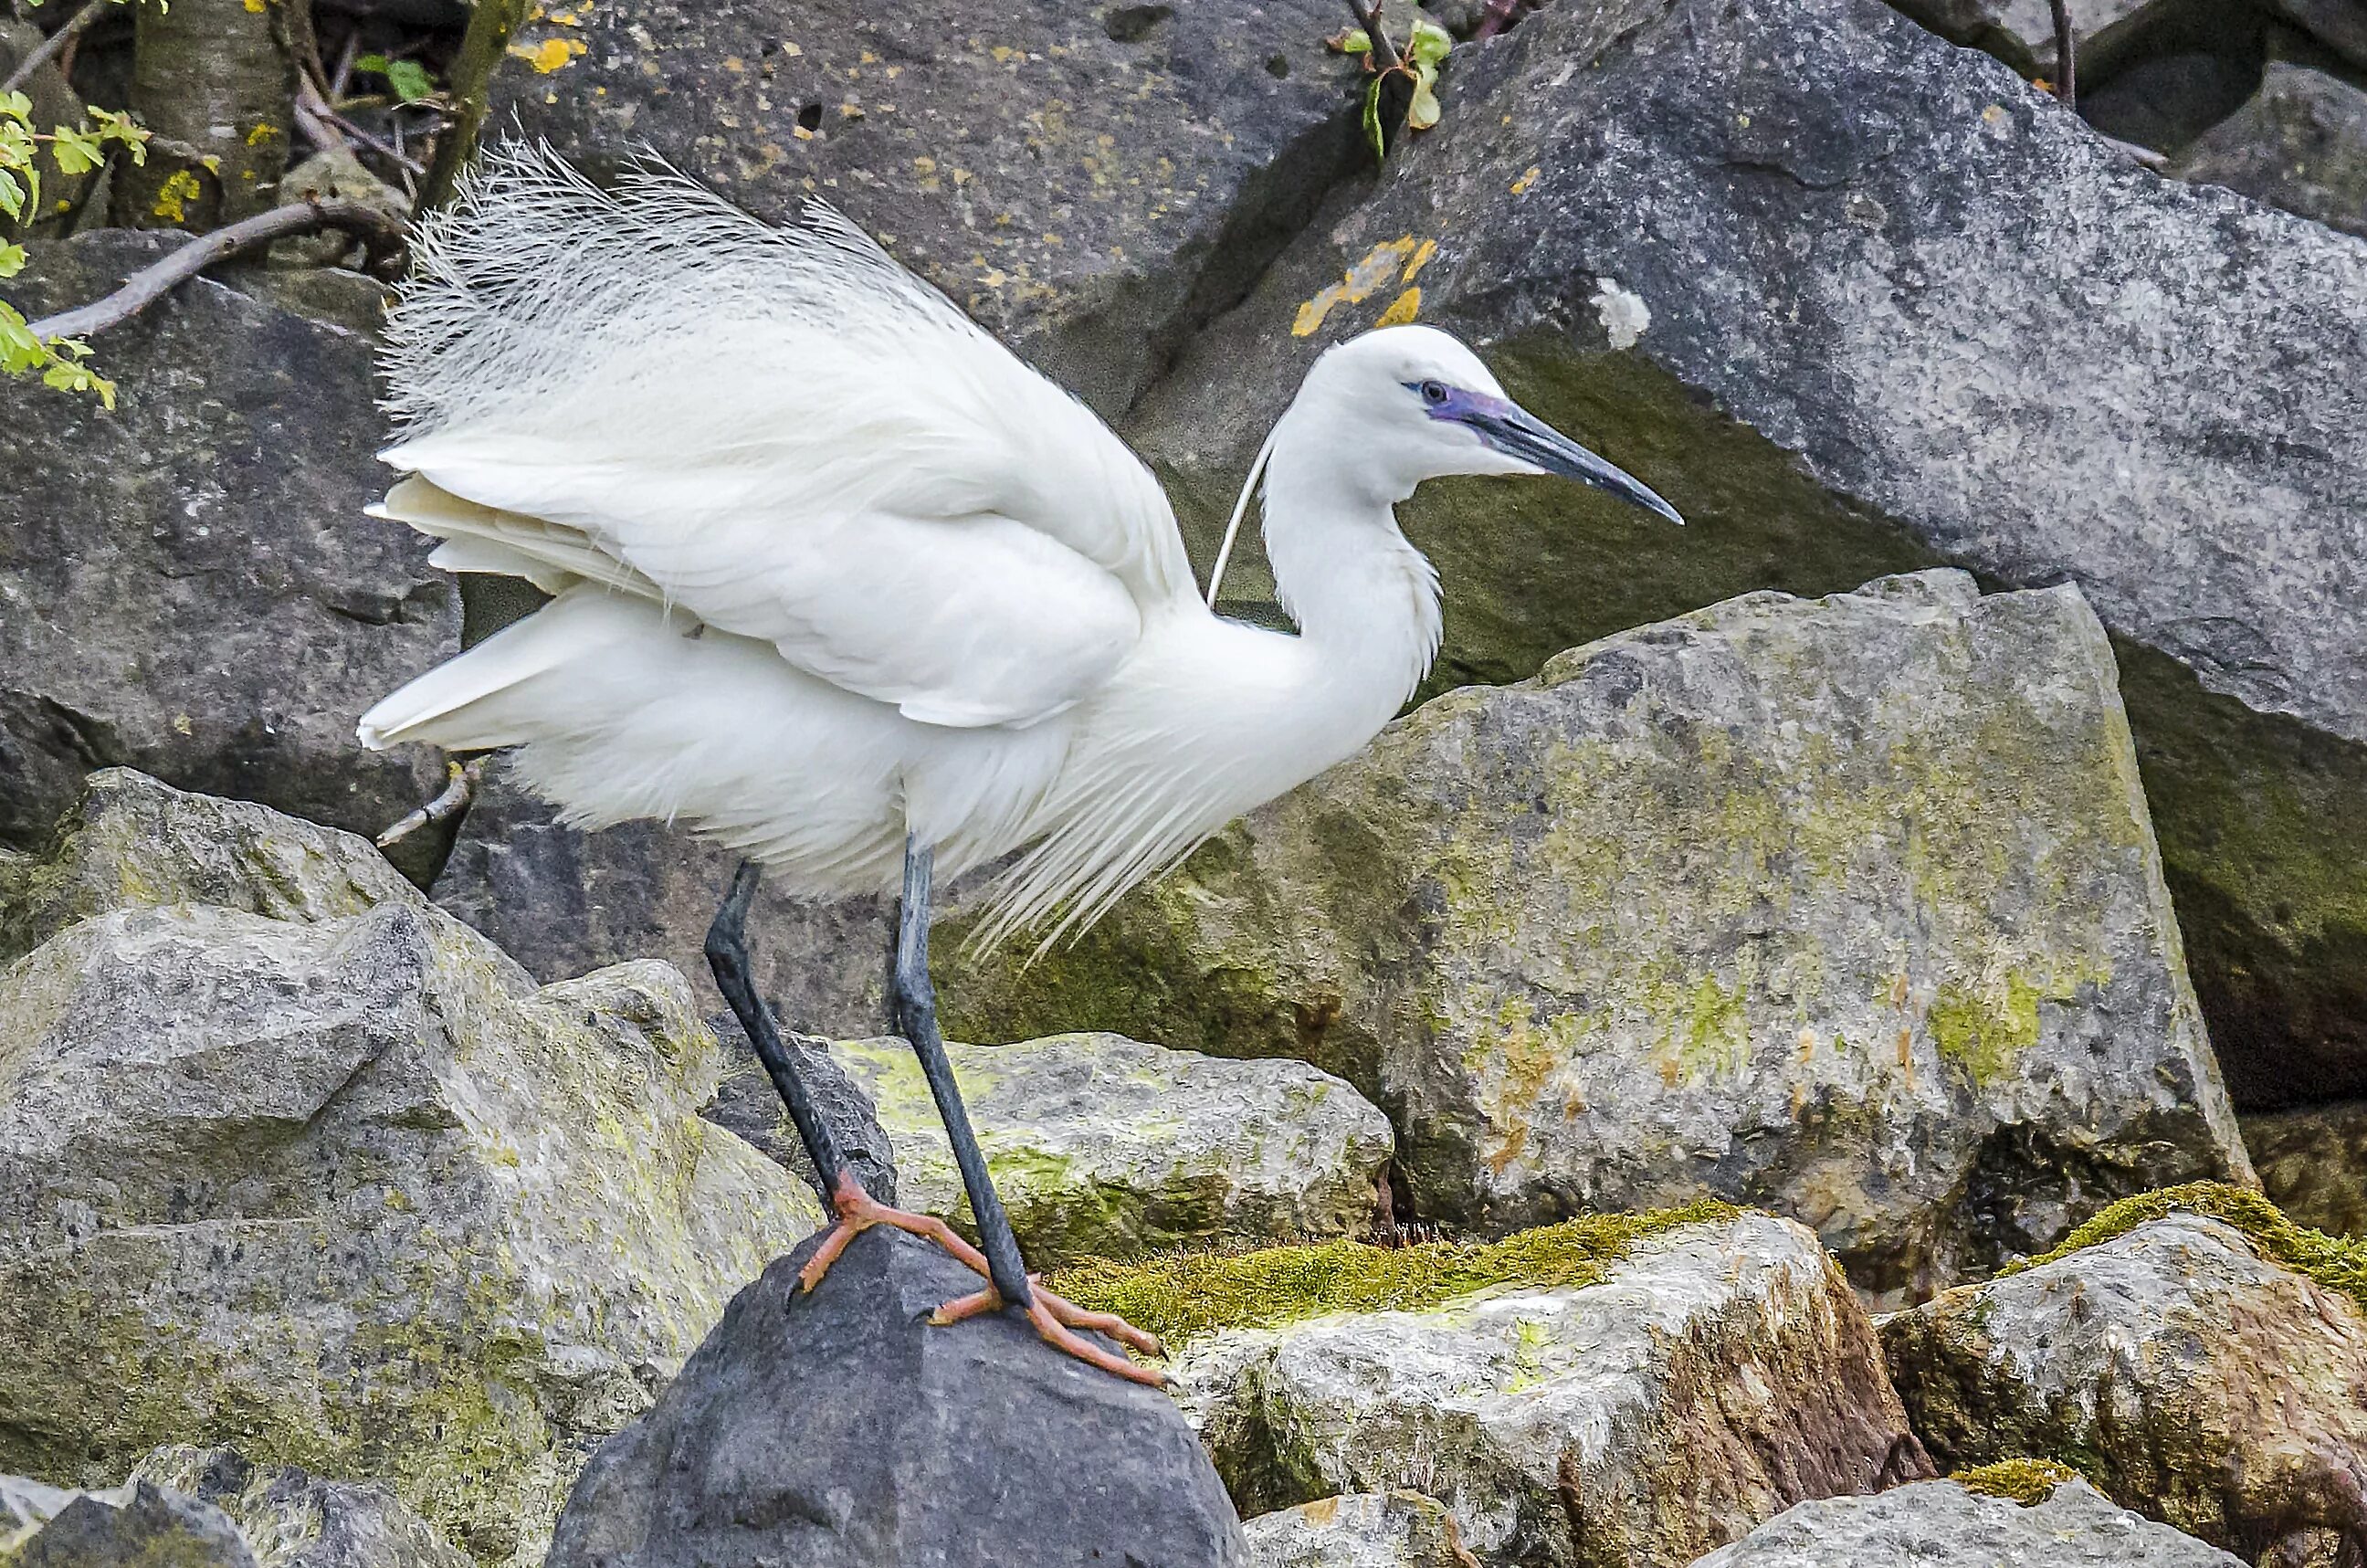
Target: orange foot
<point>858,1212</point>
<point>1056,1319</point>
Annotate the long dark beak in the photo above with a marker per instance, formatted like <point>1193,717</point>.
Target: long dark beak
<point>1518,432</point>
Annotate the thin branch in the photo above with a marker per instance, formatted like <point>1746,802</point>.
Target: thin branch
<point>153,282</point>
<point>76,24</point>
<point>443,808</point>
<point>2067,86</point>
<point>1369,18</point>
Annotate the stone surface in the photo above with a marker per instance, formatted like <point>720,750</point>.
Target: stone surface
<point>1847,907</point>
<point>343,1188</point>
<point>2313,1164</point>
<point>1821,207</point>
<point>839,1429</point>
<point>562,901</point>
<point>1940,1525</point>
<point>140,1526</point>
<point>1364,1529</point>
<point>2301,145</point>
<point>1101,1146</point>
<point>187,585</point>
<point>747,1104</point>
<point>2021,32</point>
<point>1720,1373</point>
<point>294,1519</point>
<point>2189,1376</point>
<point>1092,182</point>
<point>2340,24</point>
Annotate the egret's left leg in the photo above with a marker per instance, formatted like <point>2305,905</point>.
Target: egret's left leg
<point>917,1007</point>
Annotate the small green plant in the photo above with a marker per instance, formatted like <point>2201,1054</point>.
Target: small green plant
<point>1425,50</point>
<point>59,362</point>
<point>409,79</point>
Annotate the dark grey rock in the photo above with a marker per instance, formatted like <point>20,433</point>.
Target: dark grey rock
<point>2340,24</point>
<point>2313,1164</point>
<point>2300,144</point>
<point>292,1518</point>
<point>187,585</point>
<point>152,1528</point>
<point>1089,181</point>
<point>1937,1524</point>
<point>1901,308</point>
<point>2165,101</point>
<point>746,1103</point>
<point>563,903</point>
<point>839,1429</point>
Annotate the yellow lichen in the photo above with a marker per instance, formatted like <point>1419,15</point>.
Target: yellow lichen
<point>1402,309</point>
<point>550,54</point>
<point>2023,1481</point>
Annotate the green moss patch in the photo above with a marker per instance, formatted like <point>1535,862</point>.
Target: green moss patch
<point>2023,1481</point>
<point>1189,1294</point>
<point>2339,1262</point>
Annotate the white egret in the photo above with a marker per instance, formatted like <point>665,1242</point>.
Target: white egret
<point>842,583</point>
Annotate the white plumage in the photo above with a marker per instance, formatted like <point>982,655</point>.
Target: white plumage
<point>831,565</point>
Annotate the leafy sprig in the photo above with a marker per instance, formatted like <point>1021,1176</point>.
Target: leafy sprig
<point>77,150</point>
<point>1426,49</point>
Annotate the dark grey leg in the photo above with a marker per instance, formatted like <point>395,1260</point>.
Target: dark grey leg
<point>727,954</point>
<point>916,1010</point>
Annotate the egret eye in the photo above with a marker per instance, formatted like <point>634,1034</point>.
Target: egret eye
<point>1433,392</point>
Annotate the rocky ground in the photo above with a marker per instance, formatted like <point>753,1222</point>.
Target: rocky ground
<point>1832,1035</point>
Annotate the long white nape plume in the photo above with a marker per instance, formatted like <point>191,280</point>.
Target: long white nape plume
<point>1233,525</point>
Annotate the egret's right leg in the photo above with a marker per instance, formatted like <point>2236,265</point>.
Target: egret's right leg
<point>857,1211</point>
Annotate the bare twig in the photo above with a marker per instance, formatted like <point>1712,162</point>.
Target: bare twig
<point>487,38</point>
<point>2066,68</point>
<point>153,282</point>
<point>50,47</point>
<point>1385,58</point>
<point>444,807</point>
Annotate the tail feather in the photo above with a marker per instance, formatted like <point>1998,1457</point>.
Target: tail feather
<point>476,538</point>
<point>463,704</point>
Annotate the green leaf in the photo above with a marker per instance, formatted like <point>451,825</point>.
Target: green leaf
<point>77,152</point>
<point>1373,122</point>
<point>12,260</point>
<point>1422,113</point>
<point>1430,43</point>
<point>409,79</point>
<point>19,350</point>
<point>12,195</point>
<point>1355,41</point>
<point>15,105</point>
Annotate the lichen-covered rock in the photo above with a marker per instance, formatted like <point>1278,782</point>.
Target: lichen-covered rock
<point>2301,145</point>
<point>1101,1146</point>
<point>1776,259</point>
<point>1717,1374</point>
<point>1364,1529</point>
<point>1942,1525</point>
<point>2313,1164</point>
<point>2181,1365</point>
<point>339,1187</point>
<point>562,901</point>
<point>187,585</point>
<point>1092,182</point>
<point>1846,907</point>
<point>291,1518</point>
<point>140,1525</point>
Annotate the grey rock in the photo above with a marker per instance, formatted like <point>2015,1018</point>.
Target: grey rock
<point>1858,359</point>
<point>333,174</point>
<point>1101,1146</point>
<point>2313,1164</point>
<point>145,1525</point>
<point>1364,1529</point>
<point>562,901</point>
<point>187,585</point>
<point>2340,24</point>
<point>344,1184</point>
<point>1720,1373</point>
<point>1940,1525</point>
<point>291,1518</point>
<point>2300,143</point>
<point>1846,907</point>
<point>1091,182</point>
<point>2164,101</point>
<point>2193,1378</point>
<point>2021,32</point>
<point>839,1428</point>
<point>747,1104</point>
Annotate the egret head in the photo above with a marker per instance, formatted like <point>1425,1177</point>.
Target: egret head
<point>1427,407</point>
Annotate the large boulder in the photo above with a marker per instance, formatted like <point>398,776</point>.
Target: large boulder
<point>1855,301</point>
<point>1101,1146</point>
<point>1364,1529</point>
<point>1091,182</point>
<point>839,1429</point>
<point>2209,1373</point>
<point>1709,1376</point>
<point>188,584</point>
<point>2300,143</point>
<point>1847,907</point>
<point>140,1525</point>
<point>1942,1525</point>
<point>311,1169</point>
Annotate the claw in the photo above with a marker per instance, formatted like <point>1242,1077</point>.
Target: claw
<point>858,1212</point>
<point>1056,1319</point>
